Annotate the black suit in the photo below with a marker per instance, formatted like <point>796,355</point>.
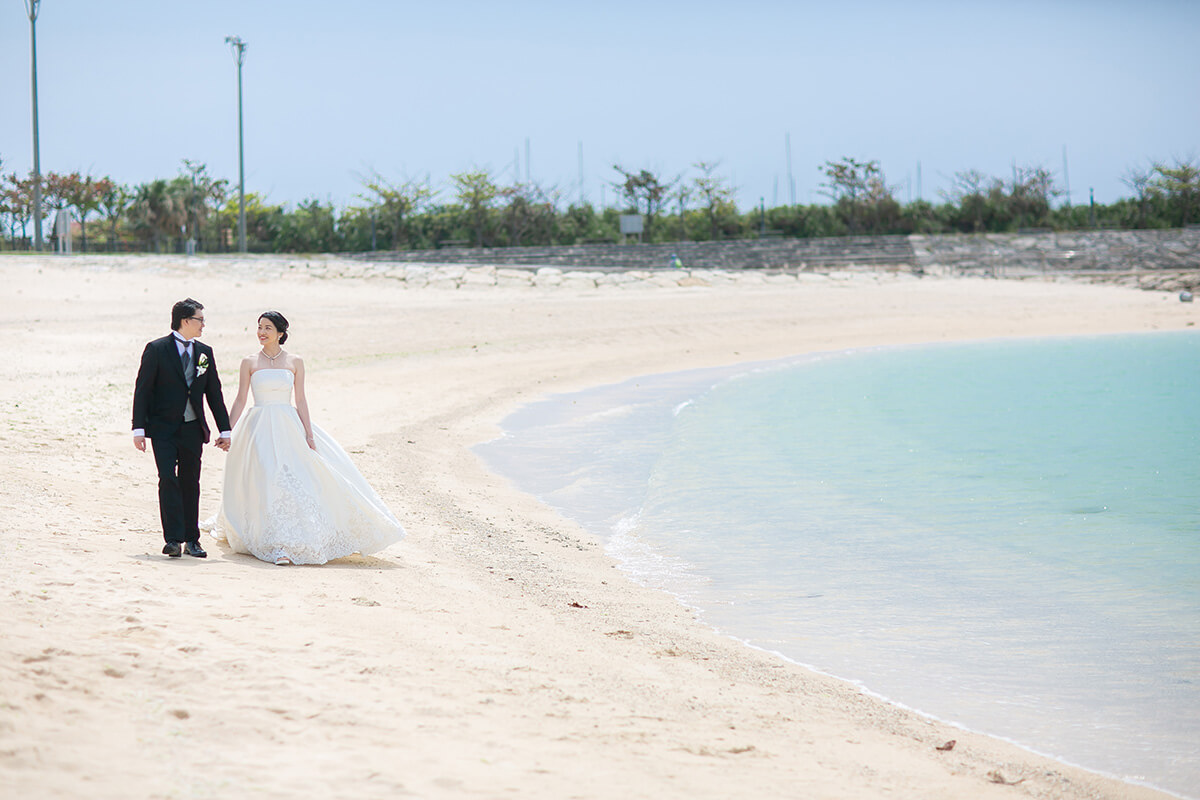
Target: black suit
<point>160,396</point>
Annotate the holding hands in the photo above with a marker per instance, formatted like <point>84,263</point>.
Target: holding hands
<point>140,443</point>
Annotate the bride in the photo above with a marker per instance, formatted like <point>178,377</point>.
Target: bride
<point>291,494</point>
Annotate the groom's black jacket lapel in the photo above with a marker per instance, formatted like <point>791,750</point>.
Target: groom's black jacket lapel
<point>196,390</point>
<point>207,385</point>
<point>171,351</point>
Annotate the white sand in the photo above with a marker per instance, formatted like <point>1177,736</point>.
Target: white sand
<point>457,663</point>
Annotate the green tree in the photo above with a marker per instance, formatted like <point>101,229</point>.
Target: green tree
<point>528,213</point>
<point>83,193</point>
<point>197,195</point>
<point>1180,185</point>
<point>921,216</point>
<point>799,221</point>
<point>645,193</point>
<point>18,200</point>
<point>969,191</point>
<point>310,228</point>
<point>1029,196</point>
<point>263,222</point>
<point>4,201</point>
<point>861,195</point>
<point>1140,182</point>
<point>581,224</point>
<point>394,203</point>
<point>56,189</point>
<point>156,213</point>
<point>354,229</point>
<point>114,199</point>
<point>476,190</point>
<point>715,193</point>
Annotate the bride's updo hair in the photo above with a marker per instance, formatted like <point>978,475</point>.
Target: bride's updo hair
<point>279,321</point>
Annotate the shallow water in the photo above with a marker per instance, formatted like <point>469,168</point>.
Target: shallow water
<point>1004,534</point>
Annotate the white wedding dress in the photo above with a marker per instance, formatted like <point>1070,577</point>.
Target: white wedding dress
<point>282,499</point>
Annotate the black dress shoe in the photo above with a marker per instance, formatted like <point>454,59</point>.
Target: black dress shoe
<point>172,549</point>
<point>194,549</point>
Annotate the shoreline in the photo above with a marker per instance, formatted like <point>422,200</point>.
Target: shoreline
<point>561,417</point>
<point>492,652</point>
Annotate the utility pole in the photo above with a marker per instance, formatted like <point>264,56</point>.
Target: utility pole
<point>527,159</point>
<point>31,8</point>
<point>581,197</point>
<point>239,55</point>
<point>787,145</point>
<point>1066,177</point>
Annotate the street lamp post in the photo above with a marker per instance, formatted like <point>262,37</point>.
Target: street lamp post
<point>239,55</point>
<point>31,8</point>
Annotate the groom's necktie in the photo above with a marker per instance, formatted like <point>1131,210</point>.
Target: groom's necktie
<point>189,373</point>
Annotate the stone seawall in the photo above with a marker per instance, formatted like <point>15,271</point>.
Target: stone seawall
<point>773,253</point>
<point>1056,252</point>
<point>1155,260</point>
<point>737,254</point>
<point>1165,259</point>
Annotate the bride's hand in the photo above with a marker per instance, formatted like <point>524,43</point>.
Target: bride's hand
<point>311,444</point>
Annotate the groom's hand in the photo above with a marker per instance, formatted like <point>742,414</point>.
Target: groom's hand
<point>223,444</point>
<point>140,443</point>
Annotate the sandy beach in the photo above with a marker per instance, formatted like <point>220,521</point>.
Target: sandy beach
<point>496,651</point>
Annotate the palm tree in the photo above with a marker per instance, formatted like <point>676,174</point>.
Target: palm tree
<point>114,199</point>
<point>156,213</point>
<point>197,195</point>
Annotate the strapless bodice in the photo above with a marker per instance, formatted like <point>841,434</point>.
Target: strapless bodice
<point>272,387</point>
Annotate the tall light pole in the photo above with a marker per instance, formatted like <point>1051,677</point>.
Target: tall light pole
<point>239,55</point>
<point>31,8</point>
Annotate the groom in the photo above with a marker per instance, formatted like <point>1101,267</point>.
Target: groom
<point>177,374</point>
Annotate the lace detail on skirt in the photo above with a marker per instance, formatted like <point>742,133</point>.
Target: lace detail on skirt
<point>297,527</point>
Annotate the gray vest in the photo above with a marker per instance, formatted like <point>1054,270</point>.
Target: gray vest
<point>189,372</point>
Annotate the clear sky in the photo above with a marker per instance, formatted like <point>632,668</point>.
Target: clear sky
<point>336,90</point>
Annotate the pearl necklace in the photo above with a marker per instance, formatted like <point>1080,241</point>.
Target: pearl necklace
<point>272,358</point>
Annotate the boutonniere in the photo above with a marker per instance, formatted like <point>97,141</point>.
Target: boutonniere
<point>201,364</point>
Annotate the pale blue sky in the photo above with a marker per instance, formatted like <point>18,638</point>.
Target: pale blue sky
<point>334,90</point>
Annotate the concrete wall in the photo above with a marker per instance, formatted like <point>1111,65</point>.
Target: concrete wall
<point>1008,253</point>
<point>1011,254</point>
<point>789,254</point>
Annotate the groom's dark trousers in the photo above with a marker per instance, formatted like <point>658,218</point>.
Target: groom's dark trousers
<point>178,461</point>
<point>160,398</point>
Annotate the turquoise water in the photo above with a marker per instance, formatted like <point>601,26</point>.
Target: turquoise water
<point>1004,534</point>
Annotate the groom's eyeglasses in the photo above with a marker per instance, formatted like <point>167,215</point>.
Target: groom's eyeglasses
<point>197,319</point>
